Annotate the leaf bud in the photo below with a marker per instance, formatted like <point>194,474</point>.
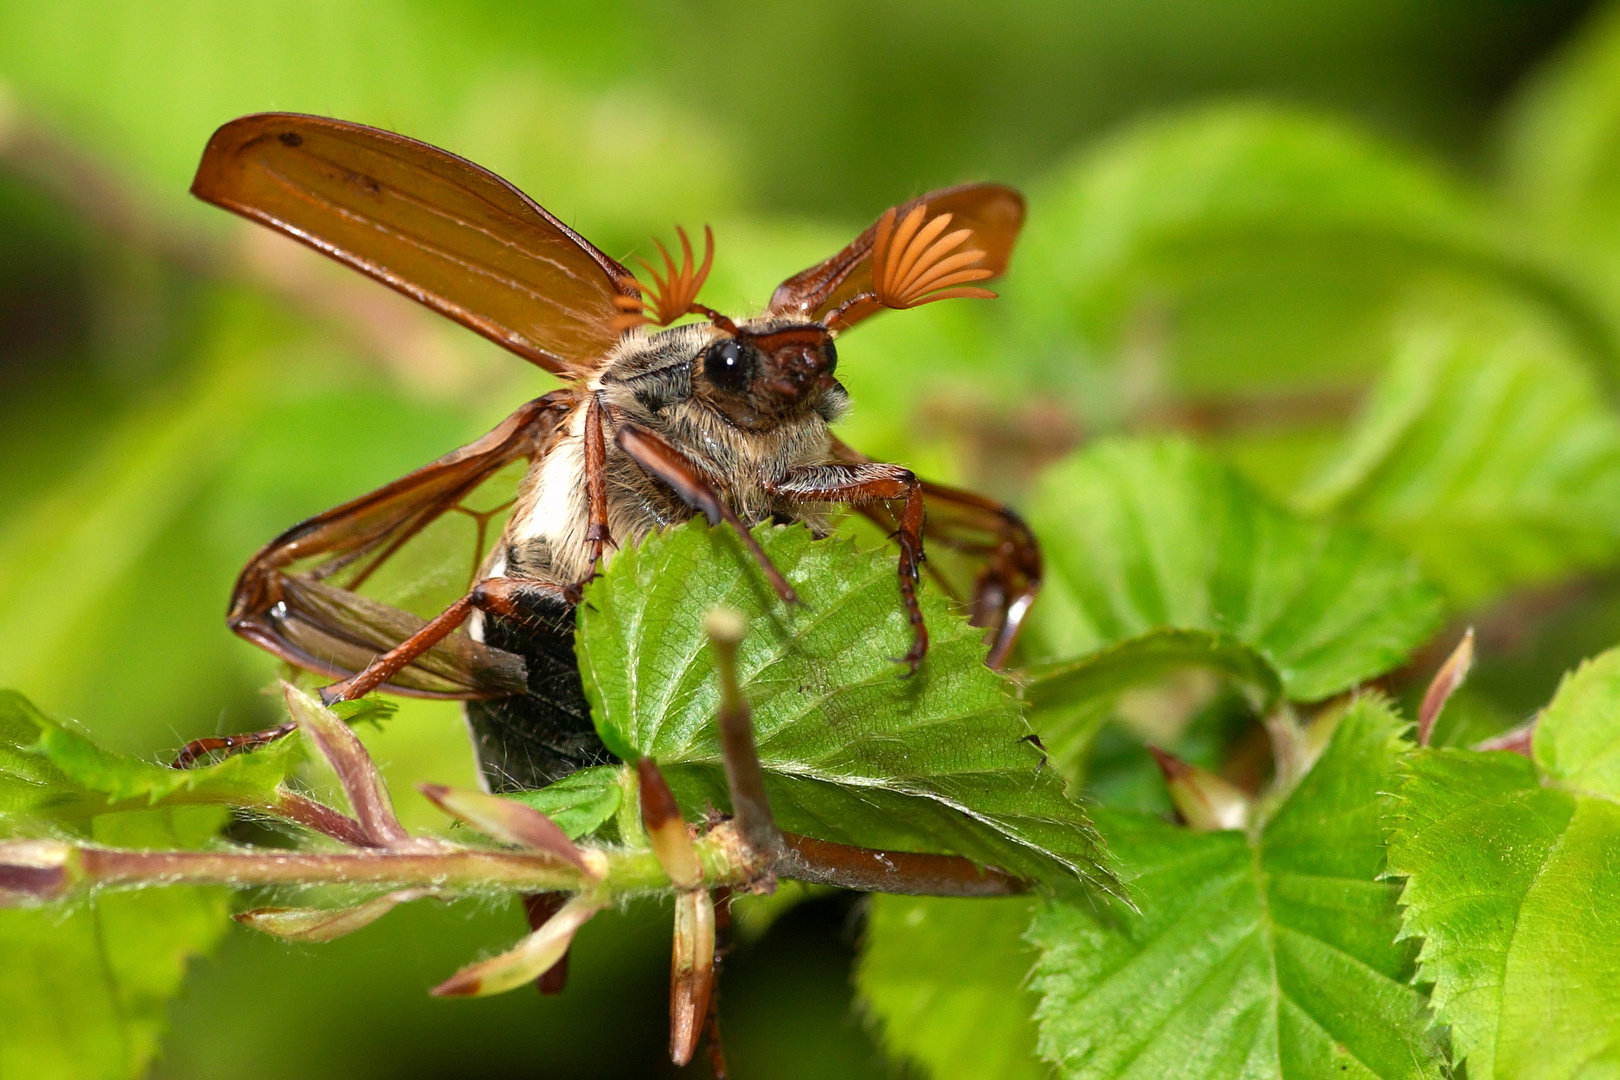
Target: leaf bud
<point>531,958</point>
<point>1205,801</point>
<point>691,973</point>
<point>666,829</point>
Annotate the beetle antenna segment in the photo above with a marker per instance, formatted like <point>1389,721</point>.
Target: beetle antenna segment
<point>675,293</point>
<point>713,316</point>
<point>912,263</point>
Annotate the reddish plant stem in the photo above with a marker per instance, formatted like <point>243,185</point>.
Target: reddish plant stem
<point>821,862</point>
<point>448,869</point>
<point>750,806</point>
<point>321,818</point>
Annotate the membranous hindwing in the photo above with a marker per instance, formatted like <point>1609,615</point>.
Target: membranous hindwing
<point>336,591</point>
<point>424,573</point>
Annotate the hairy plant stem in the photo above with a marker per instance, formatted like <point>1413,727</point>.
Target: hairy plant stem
<point>55,869</point>
<point>444,868</point>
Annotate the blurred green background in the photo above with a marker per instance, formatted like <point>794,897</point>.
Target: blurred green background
<point>1232,203</point>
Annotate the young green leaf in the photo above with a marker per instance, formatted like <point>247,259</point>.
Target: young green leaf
<point>1148,534</point>
<point>852,752</point>
<point>1270,953</point>
<point>1577,742</point>
<point>1512,882</point>
<point>50,769</point>
<point>1486,449</point>
<point>1238,245</point>
<point>85,991</point>
<point>946,979</point>
<point>1561,148</point>
<point>581,802</point>
<point>1070,699</point>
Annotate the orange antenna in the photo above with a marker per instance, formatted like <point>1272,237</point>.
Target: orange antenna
<point>675,293</point>
<point>912,264</point>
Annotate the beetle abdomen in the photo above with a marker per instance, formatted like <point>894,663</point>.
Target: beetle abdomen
<point>530,740</point>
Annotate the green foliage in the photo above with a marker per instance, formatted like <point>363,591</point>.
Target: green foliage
<point>48,769</point>
<point>85,991</point>
<point>1577,739</point>
<point>948,979</point>
<point>852,752</point>
<point>1270,954</point>
<point>1560,152</point>
<point>1156,534</point>
<point>1512,883</point>
<point>1069,699</point>
<point>581,802</point>
<point>1249,255</point>
<point>1486,448</point>
<point>1239,245</point>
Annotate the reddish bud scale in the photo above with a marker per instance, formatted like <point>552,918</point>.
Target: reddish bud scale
<point>1519,740</point>
<point>507,820</point>
<point>666,829</point>
<point>691,973</point>
<point>324,924</point>
<point>531,958</point>
<point>1451,675</point>
<point>368,795</point>
<point>1204,800</point>
<point>750,806</point>
<point>538,908</point>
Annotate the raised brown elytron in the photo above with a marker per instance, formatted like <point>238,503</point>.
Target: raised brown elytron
<point>727,418</point>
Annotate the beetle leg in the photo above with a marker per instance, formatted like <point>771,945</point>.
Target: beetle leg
<point>668,464</point>
<point>196,748</point>
<point>512,598</point>
<point>596,533</point>
<point>509,597</point>
<point>982,529</point>
<point>863,484</point>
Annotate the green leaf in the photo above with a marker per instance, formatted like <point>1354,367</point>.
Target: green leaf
<point>1142,534</point>
<point>581,802</point>
<point>28,781</point>
<point>1486,449</point>
<point>1069,699</point>
<point>1269,954</point>
<point>947,980</point>
<point>84,991</point>
<point>1513,881</point>
<point>49,768</point>
<point>1577,741</point>
<point>852,752</point>
<point>367,710</point>
<point>1561,149</point>
<point>1238,245</point>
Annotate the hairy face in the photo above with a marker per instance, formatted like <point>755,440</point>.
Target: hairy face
<point>768,372</point>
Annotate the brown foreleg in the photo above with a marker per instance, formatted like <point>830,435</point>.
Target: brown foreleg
<point>675,469</point>
<point>1009,576</point>
<point>196,748</point>
<point>597,534</point>
<point>860,485</point>
<point>1007,583</point>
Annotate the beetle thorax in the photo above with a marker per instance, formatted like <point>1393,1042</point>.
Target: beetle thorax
<point>657,382</point>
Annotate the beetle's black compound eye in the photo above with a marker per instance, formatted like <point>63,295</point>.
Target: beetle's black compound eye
<point>730,365</point>
<point>831,353</point>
